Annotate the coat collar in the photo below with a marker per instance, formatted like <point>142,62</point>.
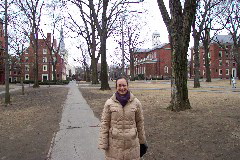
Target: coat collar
<point>132,97</point>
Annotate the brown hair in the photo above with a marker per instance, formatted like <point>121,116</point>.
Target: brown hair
<point>121,78</point>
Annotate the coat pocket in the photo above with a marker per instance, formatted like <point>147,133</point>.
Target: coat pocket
<point>115,133</point>
<point>132,134</point>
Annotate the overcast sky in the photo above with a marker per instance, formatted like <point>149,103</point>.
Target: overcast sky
<point>154,23</point>
<point>153,19</point>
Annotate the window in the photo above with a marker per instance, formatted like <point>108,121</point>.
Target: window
<point>227,71</point>
<point>44,59</point>
<point>220,71</point>
<point>234,63</point>
<point>26,52</point>
<point>14,72</point>
<point>220,62</point>
<point>166,69</point>
<point>26,59</point>
<point>44,67</point>
<point>227,62</point>
<point>27,68</point>
<point>26,76</point>
<point>44,77</point>
<point>220,54</point>
<point>226,54</point>
<point>44,51</point>
<point>209,55</point>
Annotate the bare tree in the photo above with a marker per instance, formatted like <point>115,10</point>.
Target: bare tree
<point>7,94</point>
<point>32,10</point>
<point>103,28</point>
<point>229,19</point>
<point>179,29</point>
<point>197,30</point>
<point>84,62</point>
<point>201,26</point>
<point>132,37</point>
<point>89,32</point>
<point>54,9</point>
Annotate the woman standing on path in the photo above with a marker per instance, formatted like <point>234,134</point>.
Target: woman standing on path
<point>122,125</point>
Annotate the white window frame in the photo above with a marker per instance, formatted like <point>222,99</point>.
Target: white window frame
<point>27,68</point>
<point>26,76</point>
<point>219,71</point>
<point>45,68</point>
<point>45,75</point>
<point>220,62</point>
<point>26,59</point>
<point>209,55</point>
<point>166,69</point>
<point>44,59</point>
<point>44,51</point>
<point>227,71</point>
<point>227,63</point>
<point>220,54</point>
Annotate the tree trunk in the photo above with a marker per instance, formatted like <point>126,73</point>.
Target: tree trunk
<point>196,61</point>
<point>179,29</point>
<point>7,94</point>
<point>54,71</point>
<point>94,71</point>
<point>207,63</point>
<point>238,70</point>
<point>103,37</point>
<point>104,74</point>
<point>35,37</point>
<point>22,74</point>
<point>22,84</point>
<point>206,42</point>
<point>179,94</point>
<point>131,65</point>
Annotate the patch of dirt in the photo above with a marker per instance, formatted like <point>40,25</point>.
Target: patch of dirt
<point>210,130</point>
<point>29,122</point>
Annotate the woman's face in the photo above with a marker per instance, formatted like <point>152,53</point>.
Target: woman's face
<point>122,86</point>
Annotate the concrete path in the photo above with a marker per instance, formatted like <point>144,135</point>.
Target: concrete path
<point>12,88</point>
<point>77,138</point>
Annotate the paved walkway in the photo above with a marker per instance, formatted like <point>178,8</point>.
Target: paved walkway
<point>77,138</point>
<point>12,88</point>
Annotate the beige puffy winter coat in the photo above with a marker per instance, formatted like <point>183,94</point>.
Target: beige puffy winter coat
<point>122,129</point>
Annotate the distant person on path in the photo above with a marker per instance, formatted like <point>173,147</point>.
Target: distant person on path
<point>122,125</point>
<point>233,82</point>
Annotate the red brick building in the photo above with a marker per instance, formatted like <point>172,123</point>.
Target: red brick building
<point>153,63</point>
<point>2,45</point>
<point>222,64</point>
<point>45,67</point>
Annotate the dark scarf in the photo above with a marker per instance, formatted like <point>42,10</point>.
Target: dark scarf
<point>123,99</point>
